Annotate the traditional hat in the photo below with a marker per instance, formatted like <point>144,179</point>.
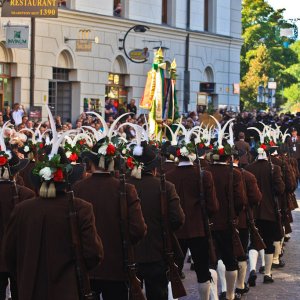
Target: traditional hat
<point>107,147</point>
<point>268,137</point>
<point>53,172</point>
<point>224,145</point>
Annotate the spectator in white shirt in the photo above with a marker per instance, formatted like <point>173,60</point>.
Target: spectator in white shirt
<point>17,114</point>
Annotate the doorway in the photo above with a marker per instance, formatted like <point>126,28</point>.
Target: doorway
<point>60,94</point>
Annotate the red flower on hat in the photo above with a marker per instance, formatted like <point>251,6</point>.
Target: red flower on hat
<point>178,152</point>
<point>221,151</point>
<point>263,146</point>
<point>111,149</point>
<point>73,157</point>
<point>130,163</point>
<point>201,146</point>
<point>272,144</point>
<point>58,176</point>
<point>3,160</point>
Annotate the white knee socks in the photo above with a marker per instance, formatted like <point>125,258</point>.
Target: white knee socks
<point>253,255</point>
<point>268,266</point>
<point>241,275</point>
<point>221,275</point>
<point>262,256</point>
<point>214,285</point>
<point>276,252</point>
<point>230,281</point>
<point>203,289</point>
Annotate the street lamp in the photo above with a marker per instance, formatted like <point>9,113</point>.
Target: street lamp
<point>135,28</point>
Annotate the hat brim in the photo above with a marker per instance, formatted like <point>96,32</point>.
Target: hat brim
<point>74,175</point>
<point>149,166</point>
<point>22,164</point>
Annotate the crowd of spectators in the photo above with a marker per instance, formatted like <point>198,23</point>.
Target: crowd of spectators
<point>18,117</point>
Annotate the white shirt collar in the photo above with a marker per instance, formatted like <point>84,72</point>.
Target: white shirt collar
<point>185,163</point>
<point>220,163</point>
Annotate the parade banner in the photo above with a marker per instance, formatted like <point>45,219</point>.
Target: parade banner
<point>30,8</point>
<point>17,36</point>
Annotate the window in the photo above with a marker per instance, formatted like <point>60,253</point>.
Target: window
<point>60,74</point>
<point>209,15</point>
<point>164,17</point>
<point>6,86</point>
<point>62,3</point>
<point>60,94</point>
<point>118,8</point>
<point>206,17</point>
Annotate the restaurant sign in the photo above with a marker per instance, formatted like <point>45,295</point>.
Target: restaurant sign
<point>139,54</point>
<point>30,8</point>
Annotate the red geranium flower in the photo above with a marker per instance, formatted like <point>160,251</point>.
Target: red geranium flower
<point>73,157</point>
<point>58,176</point>
<point>41,145</point>
<point>221,151</point>
<point>178,152</point>
<point>3,160</point>
<point>111,149</point>
<point>263,146</point>
<point>201,145</point>
<point>130,163</point>
<point>82,142</point>
<point>210,146</point>
<point>272,144</point>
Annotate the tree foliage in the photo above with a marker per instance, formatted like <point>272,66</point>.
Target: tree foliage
<point>263,55</point>
<point>292,93</point>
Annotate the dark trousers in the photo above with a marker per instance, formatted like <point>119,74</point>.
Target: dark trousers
<point>199,250</point>
<point>269,233</point>
<point>110,290</point>
<point>224,249</point>
<point>155,279</point>
<point>3,285</point>
<point>244,237</point>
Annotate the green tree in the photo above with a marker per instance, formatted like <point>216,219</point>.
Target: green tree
<point>263,55</point>
<point>257,74</point>
<point>292,93</point>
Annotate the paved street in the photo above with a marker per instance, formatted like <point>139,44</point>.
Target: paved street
<point>286,285</point>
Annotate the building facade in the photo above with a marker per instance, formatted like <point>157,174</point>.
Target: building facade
<point>204,36</point>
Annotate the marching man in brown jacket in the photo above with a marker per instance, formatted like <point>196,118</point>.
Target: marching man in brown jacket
<point>102,190</point>
<point>38,244</point>
<point>253,198</point>
<point>192,235</point>
<point>11,195</point>
<point>271,185</point>
<point>150,254</point>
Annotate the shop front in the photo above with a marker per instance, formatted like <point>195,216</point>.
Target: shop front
<point>117,91</point>
<point>6,86</point>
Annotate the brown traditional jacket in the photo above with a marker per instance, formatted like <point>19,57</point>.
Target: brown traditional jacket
<point>289,179</point>
<point>253,198</point>
<point>6,207</point>
<point>186,181</point>
<point>151,248</point>
<point>261,169</point>
<point>103,191</point>
<point>220,174</point>
<point>38,247</point>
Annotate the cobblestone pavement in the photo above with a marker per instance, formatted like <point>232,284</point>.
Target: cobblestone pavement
<point>286,284</point>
